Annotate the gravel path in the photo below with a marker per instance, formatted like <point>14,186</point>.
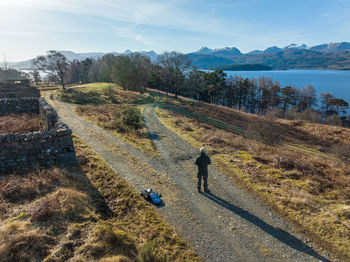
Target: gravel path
<point>227,224</point>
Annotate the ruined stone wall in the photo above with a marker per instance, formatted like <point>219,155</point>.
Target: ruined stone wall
<point>19,105</point>
<point>53,146</point>
<point>48,114</point>
<point>18,90</point>
<point>32,105</point>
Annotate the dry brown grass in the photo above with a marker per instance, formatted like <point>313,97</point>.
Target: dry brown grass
<point>333,134</point>
<point>22,123</point>
<point>102,114</point>
<point>22,242</point>
<point>315,136</point>
<point>83,213</point>
<point>21,185</point>
<point>308,189</point>
<point>64,204</point>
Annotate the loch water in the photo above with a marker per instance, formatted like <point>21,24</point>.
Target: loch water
<point>336,82</point>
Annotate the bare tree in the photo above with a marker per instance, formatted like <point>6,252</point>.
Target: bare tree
<point>35,75</point>
<point>4,70</point>
<point>175,66</point>
<point>55,64</point>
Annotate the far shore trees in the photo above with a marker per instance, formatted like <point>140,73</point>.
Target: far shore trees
<point>55,64</point>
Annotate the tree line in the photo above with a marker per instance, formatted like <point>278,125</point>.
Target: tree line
<point>172,73</point>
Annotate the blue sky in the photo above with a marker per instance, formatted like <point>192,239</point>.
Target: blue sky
<point>31,27</point>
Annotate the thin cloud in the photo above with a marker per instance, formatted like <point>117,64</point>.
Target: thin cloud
<point>141,12</point>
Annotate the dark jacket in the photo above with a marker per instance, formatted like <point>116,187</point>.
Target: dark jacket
<point>202,162</point>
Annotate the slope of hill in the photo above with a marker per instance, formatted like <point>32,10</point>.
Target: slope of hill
<point>245,67</point>
<point>293,56</point>
<point>207,61</point>
<point>249,231</point>
<point>299,168</point>
<point>327,56</point>
<point>28,64</point>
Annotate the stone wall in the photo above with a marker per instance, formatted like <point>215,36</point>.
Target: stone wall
<point>18,90</point>
<point>48,114</point>
<point>19,105</point>
<point>32,105</point>
<point>53,146</point>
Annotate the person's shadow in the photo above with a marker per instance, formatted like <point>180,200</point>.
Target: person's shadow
<point>277,233</point>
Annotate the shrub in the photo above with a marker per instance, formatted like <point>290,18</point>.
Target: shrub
<point>274,113</point>
<point>342,150</point>
<point>43,210</point>
<point>109,92</point>
<point>310,115</point>
<point>262,131</point>
<point>131,118</point>
<point>333,120</point>
<point>67,204</point>
<point>149,252</point>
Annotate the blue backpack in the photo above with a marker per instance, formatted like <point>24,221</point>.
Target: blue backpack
<point>152,196</point>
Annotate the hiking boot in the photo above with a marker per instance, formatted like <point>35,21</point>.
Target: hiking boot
<point>199,190</point>
<point>206,190</point>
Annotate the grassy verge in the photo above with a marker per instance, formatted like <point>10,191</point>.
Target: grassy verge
<point>105,104</point>
<point>310,190</point>
<point>83,213</point>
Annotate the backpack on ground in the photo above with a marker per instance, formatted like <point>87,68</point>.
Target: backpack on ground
<point>152,196</point>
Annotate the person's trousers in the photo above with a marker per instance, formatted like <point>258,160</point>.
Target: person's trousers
<point>205,178</point>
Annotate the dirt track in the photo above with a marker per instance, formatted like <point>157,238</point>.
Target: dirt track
<point>225,225</point>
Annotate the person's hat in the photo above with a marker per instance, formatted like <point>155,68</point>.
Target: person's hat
<point>202,150</point>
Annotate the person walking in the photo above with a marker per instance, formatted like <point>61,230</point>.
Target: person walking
<point>202,162</point>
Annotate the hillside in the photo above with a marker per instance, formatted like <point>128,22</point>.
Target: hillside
<point>297,168</point>
<point>241,227</point>
<point>301,169</point>
<point>246,67</point>
<point>293,56</point>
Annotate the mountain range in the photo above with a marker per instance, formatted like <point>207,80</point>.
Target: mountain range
<point>293,56</point>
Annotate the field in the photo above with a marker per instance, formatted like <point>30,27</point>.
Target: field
<point>300,169</point>
<point>83,213</point>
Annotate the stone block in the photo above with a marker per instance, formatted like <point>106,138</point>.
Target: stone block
<point>64,132</point>
<point>10,138</point>
<point>68,158</point>
<point>37,134</point>
<point>52,132</point>
<point>29,137</point>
